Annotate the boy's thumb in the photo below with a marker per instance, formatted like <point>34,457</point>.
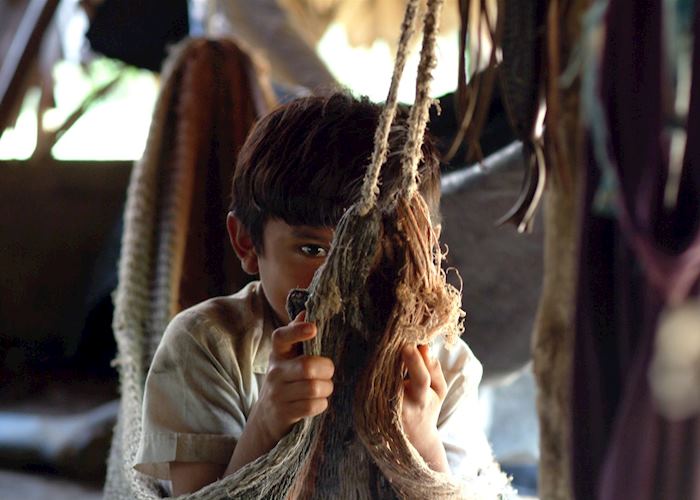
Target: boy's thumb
<point>301,317</point>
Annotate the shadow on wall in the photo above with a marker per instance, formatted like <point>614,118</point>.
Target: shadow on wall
<point>57,220</point>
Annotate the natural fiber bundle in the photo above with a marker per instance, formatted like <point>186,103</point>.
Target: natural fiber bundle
<point>553,335</point>
<point>382,286</point>
<point>522,46</point>
<point>478,37</point>
<point>222,119</point>
<point>538,72</point>
<point>520,73</point>
<point>425,307</point>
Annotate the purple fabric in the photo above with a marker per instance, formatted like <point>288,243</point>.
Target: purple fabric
<point>666,242</point>
<point>629,269</point>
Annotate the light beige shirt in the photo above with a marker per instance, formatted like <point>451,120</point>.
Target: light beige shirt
<point>209,368</point>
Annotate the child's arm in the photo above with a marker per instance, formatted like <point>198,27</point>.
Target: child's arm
<point>295,387</point>
<point>424,391</point>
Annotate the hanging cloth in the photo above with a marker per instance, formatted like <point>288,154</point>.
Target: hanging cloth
<point>635,271</point>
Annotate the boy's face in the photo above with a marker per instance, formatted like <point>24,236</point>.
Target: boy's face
<point>290,256</point>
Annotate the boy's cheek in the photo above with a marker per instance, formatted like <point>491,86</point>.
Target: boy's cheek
<point>303,273</point>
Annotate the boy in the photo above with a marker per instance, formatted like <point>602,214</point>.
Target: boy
<point>227,381</point>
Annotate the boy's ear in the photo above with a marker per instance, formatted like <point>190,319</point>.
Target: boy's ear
<point>242,244</point>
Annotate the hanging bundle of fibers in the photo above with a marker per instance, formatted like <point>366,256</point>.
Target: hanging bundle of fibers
<point>478,38</point>
<point>522,46</point>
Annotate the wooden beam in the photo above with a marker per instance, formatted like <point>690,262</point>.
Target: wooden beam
<point>23,50</point>
<point>11,12</point>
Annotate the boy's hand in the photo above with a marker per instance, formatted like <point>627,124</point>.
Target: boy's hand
<point>296,386</point>
<point>424,391</point>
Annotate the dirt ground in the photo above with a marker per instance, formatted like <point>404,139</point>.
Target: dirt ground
<point>17,485</point>
<point>60,418</point>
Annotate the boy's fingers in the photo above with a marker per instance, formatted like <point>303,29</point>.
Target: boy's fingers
<point>437,377</point>
<point>285,338</point>
<point>300,369</point>
<point>308,407</point>
<point>307,389</point>
<point>417,371</point>
<point>425,353</point>
<point>310,368</point>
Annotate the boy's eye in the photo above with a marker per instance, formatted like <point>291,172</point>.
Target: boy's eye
<point>313,250</point>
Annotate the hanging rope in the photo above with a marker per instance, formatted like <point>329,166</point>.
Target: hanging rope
<point>370,186</point>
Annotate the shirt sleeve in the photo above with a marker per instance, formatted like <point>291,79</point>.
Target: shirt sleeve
<point>467,448</point>
<point>192,408</point>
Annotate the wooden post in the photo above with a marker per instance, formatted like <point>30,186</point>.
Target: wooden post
<point>23,50</point>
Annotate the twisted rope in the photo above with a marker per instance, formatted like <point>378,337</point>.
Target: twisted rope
<point>418,117</point>
<point>370,184</point>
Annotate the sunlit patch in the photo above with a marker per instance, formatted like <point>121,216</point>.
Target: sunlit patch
<point>367,71</point>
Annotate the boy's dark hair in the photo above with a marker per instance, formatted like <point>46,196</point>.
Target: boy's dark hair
<point>305,161</point>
